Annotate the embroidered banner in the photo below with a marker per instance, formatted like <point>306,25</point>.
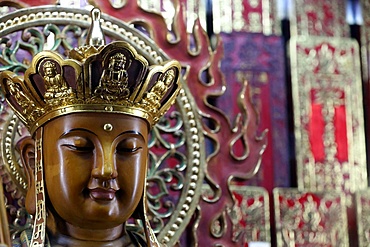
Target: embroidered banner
<point>319,18</point>
<point>328,114</point>
<point>259,59</point>
<point>255,16</point>
<point>310,219</point>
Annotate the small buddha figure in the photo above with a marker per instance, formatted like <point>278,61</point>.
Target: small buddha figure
<point>20,97</point>
<point>85,160</point>
<point>115,75</point>
<point>160,88</point>
<point>54,82</point>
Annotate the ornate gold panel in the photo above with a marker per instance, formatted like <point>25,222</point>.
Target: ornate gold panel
<point>310,218</point>
<point>328,114</point>
<point>255,16</point>
<point>249,216</point>
<point>363,217</point>
<point>365,39</point>
<point>319,18</point>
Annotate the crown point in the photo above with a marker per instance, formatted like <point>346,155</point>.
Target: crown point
<point>95,36</point>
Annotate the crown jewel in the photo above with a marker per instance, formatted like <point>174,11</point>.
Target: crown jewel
<point>106,78</point>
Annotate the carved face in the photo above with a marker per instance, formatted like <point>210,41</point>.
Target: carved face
<point>117,62</point>
<point>119,65</point>
<point>95,167</point>
<point>169,76</point>
<point>49,69</point>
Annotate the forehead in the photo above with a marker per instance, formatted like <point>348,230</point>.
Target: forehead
<point>97,123</point>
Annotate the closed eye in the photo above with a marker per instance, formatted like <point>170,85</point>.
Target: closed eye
<point>83,149</point>
<point>122,150</point>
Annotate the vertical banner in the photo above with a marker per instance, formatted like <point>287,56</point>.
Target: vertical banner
<point>327,103</point>
<point>259,59</point>
<point>328,114</point>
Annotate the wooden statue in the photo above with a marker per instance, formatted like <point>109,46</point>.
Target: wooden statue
<point>86,162</point>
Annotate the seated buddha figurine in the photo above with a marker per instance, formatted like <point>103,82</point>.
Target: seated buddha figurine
<point>54,82</point>
<point>86,159</point>
<point>116,76</point>
<point>160,88</point>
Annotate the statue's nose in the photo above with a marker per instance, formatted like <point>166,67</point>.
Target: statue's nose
<point>105,167</point>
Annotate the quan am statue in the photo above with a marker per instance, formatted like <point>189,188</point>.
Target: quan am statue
<point>89,117</point>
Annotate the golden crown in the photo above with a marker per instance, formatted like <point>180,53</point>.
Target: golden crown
<point>107,78</point>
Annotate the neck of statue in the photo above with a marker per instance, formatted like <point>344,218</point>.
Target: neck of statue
<point>63,234</point>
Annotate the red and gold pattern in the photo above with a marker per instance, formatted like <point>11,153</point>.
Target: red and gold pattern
<point>255,16</point>
<point>363,219</point>
<point>310,219</point>
<point>319,18</point>
<point>365,40</point>
<point>330,141</point>
<point>259,59</point>
<point>250,214</point>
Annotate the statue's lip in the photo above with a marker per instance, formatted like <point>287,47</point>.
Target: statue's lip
<point>102,194</point>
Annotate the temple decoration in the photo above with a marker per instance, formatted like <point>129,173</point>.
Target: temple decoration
<point>254,53</point>
<point>327,106</point>
<point>54,87</point>
<point>365,39</point>
<point>255,16</point>
<point>176,160</point>
<point>319,18</point>
<point>4,226</point>
<point>250,214</point>
<point>180,161</point>
<point>328,115</point>
<point>259,59</point>
<point>195,9</point>
<point>310,218</point>
<point>363,220</point>
<point>363,196</point>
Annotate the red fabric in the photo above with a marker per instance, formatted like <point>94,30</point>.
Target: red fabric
<point>341,133</point>
<point>316,130</point>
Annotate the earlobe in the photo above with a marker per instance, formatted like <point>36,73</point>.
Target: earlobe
<point>26,147</point>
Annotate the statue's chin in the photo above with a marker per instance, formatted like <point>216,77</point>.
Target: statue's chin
<point>56,226</point>
<point>63,240</point>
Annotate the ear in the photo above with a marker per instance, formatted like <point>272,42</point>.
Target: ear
<point>26,147</point>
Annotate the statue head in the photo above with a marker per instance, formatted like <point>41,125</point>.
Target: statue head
<point>49,69</point>
<point>169,76</point>
<point>117,62</point>
<point>87,159</point>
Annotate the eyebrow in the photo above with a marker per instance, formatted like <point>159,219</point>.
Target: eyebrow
<point>91,132</point>
<point>132,132</point>
<point>76,129</point>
